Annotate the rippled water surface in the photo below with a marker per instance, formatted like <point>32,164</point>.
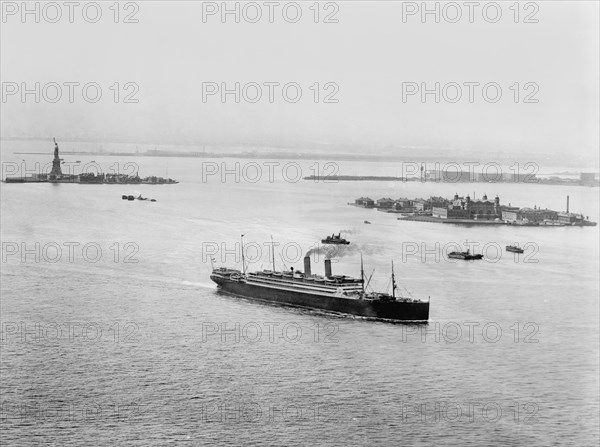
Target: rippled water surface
<point>139,348</point>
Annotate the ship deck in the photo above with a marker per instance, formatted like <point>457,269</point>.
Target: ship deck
<point>337,286</point>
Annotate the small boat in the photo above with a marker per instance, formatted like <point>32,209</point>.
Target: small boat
<point>514,249</point>
<point>465,255</point>
<point>153,200</point>
<point>124,197</point>
<point>130,198</point>
<point>335,239</point>
<point>367,222</point>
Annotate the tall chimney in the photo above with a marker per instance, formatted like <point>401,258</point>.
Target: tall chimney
<point>567,204</point>
<point>307,266</point>
<point>328,268</point>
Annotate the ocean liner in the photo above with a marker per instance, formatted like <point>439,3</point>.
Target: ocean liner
<point>331,293</point>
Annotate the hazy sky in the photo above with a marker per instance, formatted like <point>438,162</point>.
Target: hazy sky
<point>369,56</point>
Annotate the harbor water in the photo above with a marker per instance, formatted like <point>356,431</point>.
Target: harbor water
<point>113,333</point>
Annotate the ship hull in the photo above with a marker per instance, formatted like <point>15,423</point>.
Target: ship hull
<point>514,250</point>
<point>465,257</point>
<point>385,310</point>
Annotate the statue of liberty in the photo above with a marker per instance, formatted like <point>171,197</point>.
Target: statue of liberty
<point>56,161</point>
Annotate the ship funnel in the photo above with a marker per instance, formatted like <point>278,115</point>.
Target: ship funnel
<point>307,266</point>
<point>328,268</point>
<point>567,204</point>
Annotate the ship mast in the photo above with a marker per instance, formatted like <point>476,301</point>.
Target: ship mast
<point>243,260</point>
<point>273,252</point>
<point>362,275</point>
<point>393,281</point>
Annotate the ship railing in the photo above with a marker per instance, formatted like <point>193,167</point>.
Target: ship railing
<point>303,285</point>
<point>299,276</point>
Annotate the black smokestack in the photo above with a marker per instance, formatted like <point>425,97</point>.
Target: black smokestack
<point>307,266</point>
<point>567,204</point>
<point>328,268</point>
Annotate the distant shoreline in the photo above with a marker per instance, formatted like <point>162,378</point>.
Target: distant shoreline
<point>536,181</point>
<point>428,161</point>
<point>307,156</point>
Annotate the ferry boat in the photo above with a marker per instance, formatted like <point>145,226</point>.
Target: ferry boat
<point>464,255</point>
<point>331,293</point>
<point>514,249</point>
<point>335,239</point>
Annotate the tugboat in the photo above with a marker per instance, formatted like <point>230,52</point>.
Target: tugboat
<point>335,239</point>
<point>514,249</point>
<point>464,255</point>
<point>331,293</point>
